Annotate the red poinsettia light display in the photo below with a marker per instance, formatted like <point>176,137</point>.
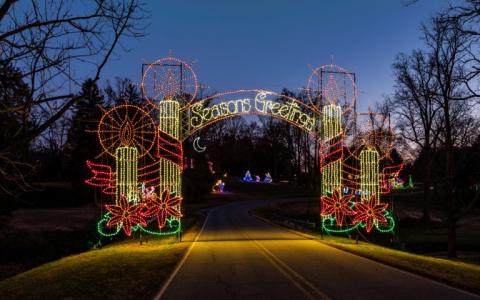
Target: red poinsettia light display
<point>337,205</point>
<point>126,214</point>
<point>370,212</point>
<point>163,207</point>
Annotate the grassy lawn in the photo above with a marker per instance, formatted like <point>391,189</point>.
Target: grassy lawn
<point>124,270</point>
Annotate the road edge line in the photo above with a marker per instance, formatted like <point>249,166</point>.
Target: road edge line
<point>162,291</point>
<point>316,239</point>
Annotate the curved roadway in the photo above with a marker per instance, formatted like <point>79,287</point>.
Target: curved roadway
<point>237,256</point>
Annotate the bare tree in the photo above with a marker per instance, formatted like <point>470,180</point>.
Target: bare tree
<point>54,45</point>
<point>416,111</point>
<point>123,91</point>
<point>449,48</point>
<point>466,17</point>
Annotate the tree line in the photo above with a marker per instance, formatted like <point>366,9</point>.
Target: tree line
<point>435,107</point>
<point>47,48</point>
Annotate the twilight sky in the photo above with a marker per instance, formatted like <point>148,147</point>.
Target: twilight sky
<point>271,44</point>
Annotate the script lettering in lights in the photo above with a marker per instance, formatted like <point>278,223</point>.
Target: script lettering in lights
<point>291,111</point>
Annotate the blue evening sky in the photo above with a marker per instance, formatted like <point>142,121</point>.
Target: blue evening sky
<point>272,44</point>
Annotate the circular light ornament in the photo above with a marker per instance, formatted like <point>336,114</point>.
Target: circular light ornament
<point>169,78</point>
<point>331,84</point>
<point>126,126</point>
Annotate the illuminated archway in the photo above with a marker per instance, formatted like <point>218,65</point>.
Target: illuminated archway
<point>149,189</point>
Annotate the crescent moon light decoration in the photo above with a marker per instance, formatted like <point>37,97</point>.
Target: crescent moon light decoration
<point>197,147</point>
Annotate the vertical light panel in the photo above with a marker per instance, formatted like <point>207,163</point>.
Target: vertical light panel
<point>170,147</point>
<point>332,148</point>
<point>369,174</point>
<point>169,113</point>
<point>331,121</point>
<point>126,159</point>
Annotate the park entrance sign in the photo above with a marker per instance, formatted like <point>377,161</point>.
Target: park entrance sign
<point>139,170</point>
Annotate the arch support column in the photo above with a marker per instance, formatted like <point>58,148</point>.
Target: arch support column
<point>170,148</point>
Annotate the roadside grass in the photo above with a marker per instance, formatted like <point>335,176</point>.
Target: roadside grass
<point>124,270</point>
<point>452,272</point>
<point>411,234</point>
<point>33,237</point>
<point>455,273</point>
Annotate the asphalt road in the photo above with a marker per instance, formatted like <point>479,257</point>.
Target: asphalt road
<point>238,256</point>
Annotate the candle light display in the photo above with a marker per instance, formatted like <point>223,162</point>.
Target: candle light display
<point>170,149</point>
<point>369,175</point>
<point>331,149</point>
<point>126,173</point>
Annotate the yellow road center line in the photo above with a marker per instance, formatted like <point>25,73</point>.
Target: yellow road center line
<point>298,280</point>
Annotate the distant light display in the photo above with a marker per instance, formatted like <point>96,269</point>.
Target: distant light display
<point>219,186</point>
<point>268,178</point>
<point>247,177</point>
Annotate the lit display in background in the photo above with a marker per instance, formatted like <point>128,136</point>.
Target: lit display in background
<point>218,186</point>
<point>247,177</point>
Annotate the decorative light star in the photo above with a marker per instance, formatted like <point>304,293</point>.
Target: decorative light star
<point>337,205</point>
<point>126,214</point>
<point>370,212</point>
<point>163,207</point>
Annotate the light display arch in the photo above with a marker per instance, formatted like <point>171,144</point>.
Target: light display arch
<point>205,112</point>
<point>144,183</point>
